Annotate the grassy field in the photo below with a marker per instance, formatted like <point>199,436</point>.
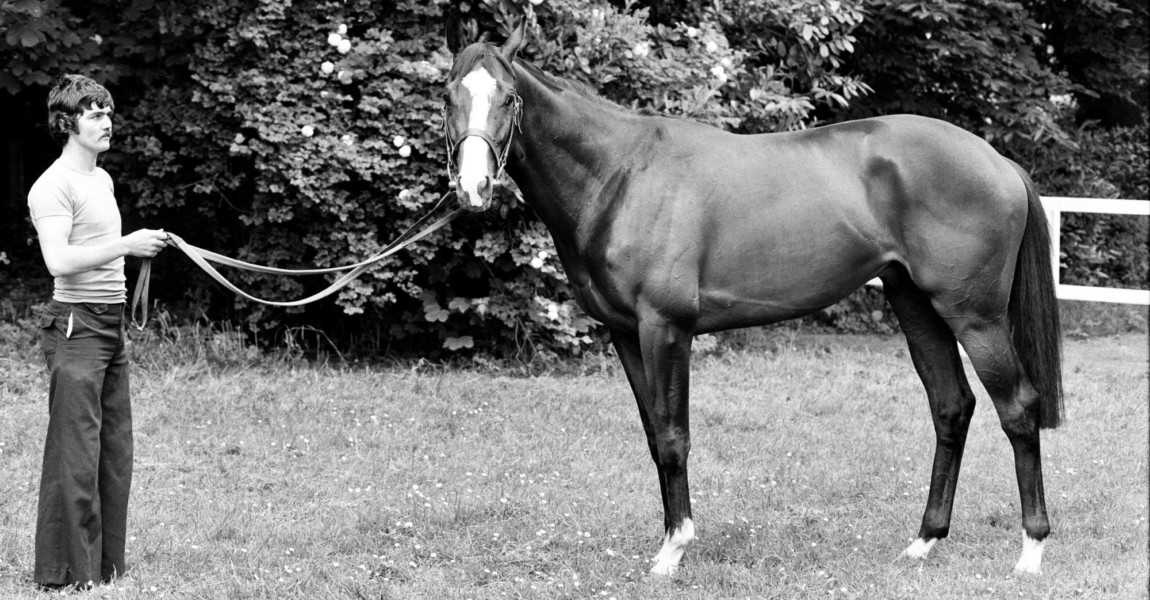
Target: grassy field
<point>809,471</point>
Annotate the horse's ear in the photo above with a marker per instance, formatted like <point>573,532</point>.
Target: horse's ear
<point>515,41</point>
<point>456,34</point>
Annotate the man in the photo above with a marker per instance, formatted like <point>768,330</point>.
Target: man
<point>83,510</point>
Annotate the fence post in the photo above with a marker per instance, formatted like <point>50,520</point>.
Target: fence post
<point>1053,210</point>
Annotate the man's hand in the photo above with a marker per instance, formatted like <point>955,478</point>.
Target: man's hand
<point>144,243</point>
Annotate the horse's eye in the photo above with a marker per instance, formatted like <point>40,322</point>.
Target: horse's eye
<point>509,101</point>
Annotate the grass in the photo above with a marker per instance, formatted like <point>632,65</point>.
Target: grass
<point>810,461</point>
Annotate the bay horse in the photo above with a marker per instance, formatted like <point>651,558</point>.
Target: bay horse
<point>668,228</point>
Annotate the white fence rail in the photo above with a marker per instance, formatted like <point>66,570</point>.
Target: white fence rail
<point>1054,206</point>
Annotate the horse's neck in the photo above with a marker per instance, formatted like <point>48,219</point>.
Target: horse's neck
<point>565,153</point>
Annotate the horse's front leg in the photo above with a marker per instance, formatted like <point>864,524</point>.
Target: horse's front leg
<point>627,346</point>
<point>665,357</point>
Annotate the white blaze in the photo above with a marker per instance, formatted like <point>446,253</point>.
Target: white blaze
<point>473,151</point>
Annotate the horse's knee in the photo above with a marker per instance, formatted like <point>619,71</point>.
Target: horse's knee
<point>952,418</point>
<point>673,448</point>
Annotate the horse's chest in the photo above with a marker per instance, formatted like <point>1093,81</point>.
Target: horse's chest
<point>603,302</point>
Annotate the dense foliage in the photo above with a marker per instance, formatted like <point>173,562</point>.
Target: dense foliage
<point>308,133</point>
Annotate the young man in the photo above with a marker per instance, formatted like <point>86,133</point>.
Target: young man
<point>83,511</point>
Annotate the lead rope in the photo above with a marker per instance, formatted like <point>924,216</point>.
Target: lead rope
<point>201,258</point>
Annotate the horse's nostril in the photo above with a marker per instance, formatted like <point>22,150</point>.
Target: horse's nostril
<point>484,188</point>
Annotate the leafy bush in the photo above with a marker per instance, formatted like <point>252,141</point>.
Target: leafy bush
<point>973,64</point>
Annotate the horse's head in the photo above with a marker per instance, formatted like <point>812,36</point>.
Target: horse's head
<point>481,115</point>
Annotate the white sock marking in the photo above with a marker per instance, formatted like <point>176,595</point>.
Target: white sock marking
<point>674,545</point>
<point>920,548</point>
<point>1031,559</point>
<point>473,151</point>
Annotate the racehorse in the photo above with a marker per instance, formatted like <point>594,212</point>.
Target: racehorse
<point>668,228</point>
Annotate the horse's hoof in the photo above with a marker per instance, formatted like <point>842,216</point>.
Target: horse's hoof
<point>1030,563</point>
<point>919,549</point>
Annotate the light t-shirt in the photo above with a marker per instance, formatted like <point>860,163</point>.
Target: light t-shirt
<point>88,198</point>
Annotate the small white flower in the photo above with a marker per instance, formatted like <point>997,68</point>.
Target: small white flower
<point>307,130</point>
<point>404,194</point>
<point>327,67</point>
<point>405,151</point>
<point>553,311</point>
<point>692,32</point>
<point>726,62</point>
<point>96,38</point>
<point>347,139</point>
<point>239,138</point>
<point>712,46</point>
<point>641,50</point>
<point>719,72</point>
<point>535,2</point>
<point>537,262</point>
<point>334,39</point>
<point>342,29</point>
<point>344,46</point>
<point>344,77</point>
<point>398,141</point>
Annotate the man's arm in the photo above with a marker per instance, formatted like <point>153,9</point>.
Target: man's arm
<point>63,259</point>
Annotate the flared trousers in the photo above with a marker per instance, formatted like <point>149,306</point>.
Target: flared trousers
<point>82,517</point>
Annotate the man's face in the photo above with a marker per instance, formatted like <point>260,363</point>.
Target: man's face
<point>94,129</point>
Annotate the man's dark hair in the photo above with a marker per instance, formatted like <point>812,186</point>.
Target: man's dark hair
<point>70,96</point>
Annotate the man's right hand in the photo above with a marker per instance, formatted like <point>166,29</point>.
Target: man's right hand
<point>145,243</point>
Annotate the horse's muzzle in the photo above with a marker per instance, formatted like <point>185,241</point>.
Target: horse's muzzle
<point>476,200</point>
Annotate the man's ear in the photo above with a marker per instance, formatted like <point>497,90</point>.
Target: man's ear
<point>457,38</point>
<point>515,42</point>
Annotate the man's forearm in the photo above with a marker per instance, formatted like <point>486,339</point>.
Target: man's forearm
<point>67,260</point>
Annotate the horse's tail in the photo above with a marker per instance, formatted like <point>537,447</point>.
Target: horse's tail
<point>1033,311</point>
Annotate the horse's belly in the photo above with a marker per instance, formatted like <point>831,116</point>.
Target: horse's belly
<point>773,282</point>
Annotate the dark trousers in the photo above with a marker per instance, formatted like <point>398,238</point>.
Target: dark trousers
<point>83,512</point>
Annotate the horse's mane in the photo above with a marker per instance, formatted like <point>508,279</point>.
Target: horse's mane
<point>484,53</point>
<point>559,84</point>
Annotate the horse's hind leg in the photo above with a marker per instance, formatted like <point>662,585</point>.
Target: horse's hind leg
<point>934,351</point>
<point>991,350</point>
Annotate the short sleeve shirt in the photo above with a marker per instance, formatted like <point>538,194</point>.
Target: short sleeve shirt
<point>88,198</point>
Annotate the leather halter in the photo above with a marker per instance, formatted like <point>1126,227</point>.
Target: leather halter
<point>500,156</point>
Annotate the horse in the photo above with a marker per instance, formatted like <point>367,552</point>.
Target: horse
<point>669,228</point>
